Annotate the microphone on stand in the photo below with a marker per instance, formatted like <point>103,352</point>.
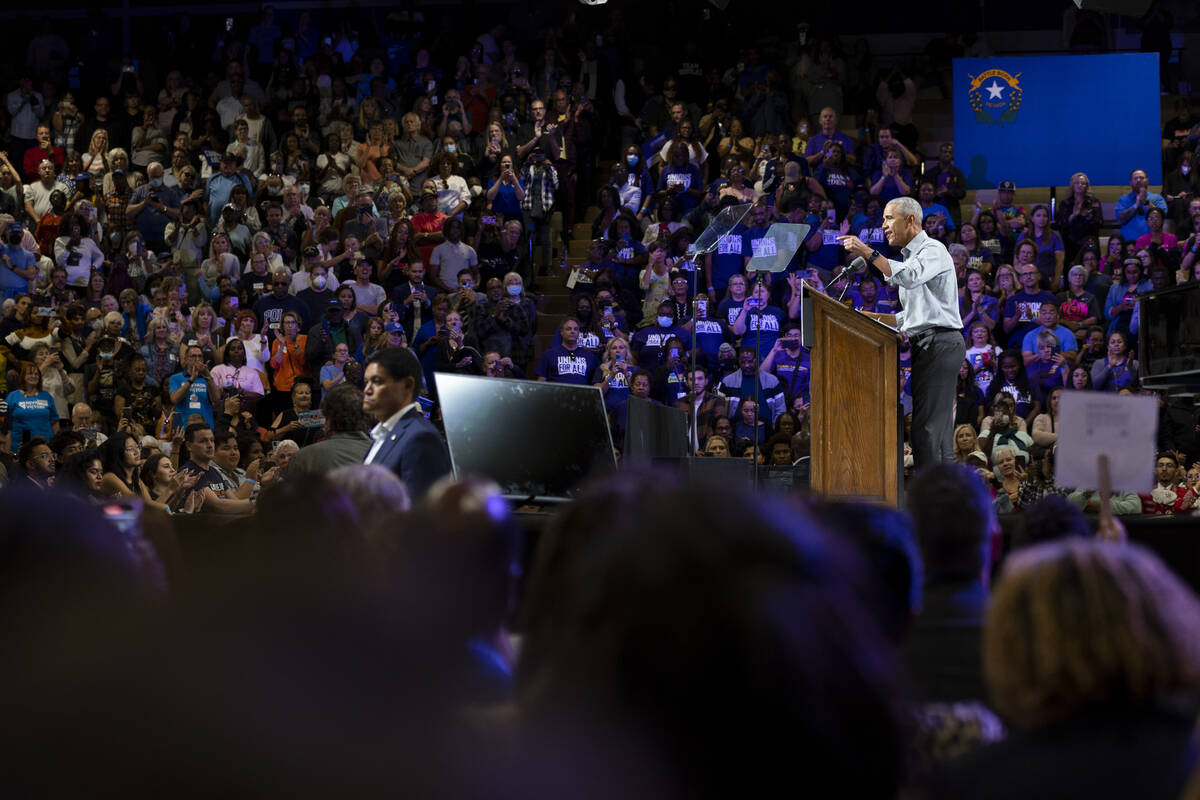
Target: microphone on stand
<point>858,265</point>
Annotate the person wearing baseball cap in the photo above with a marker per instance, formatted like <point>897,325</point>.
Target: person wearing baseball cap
<point>1006,210</point>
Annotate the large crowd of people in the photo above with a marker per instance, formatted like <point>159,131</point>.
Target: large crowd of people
<point>226,240</point>
<point>220,268</point>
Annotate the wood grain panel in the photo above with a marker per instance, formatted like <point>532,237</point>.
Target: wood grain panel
<point>855,400</point>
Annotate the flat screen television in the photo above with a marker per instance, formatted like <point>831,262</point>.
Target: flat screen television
<point>539,441</point>
<point>654,431</point>
<point>1169,337</point>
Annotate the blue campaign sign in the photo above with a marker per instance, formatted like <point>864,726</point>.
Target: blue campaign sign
<point>1038,120</point>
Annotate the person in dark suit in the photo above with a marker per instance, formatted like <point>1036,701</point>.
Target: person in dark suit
<point>403,440</point>
<point>346,439</point>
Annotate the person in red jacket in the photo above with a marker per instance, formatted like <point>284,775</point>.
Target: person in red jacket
<point>1168,497</point>
<point>44,149</point>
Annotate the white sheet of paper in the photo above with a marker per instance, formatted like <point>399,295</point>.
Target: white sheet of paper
<point>1124,427</point>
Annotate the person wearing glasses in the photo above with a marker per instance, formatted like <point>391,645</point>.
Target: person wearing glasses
<point>1021,308</point>
<point>272,306</point>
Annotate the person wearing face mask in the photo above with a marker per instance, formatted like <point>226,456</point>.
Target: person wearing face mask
<point>649,343</point>
<point>153,206</point>
<point>502,320</point>
<point>318,290</point>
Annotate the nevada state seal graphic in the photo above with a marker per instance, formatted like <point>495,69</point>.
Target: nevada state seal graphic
<point>995,96</point>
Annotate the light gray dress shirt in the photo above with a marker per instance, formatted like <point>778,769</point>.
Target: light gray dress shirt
<point>928,288</point>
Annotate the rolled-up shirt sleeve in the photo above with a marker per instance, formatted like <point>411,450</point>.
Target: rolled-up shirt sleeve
<point>917,270</point>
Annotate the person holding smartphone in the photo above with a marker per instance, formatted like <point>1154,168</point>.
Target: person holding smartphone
<point>505,192</point>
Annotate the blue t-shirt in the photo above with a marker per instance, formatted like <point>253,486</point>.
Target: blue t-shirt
<point>771,321</point>
<point>196,401</point>
<point>938,208</point>
<point>587,339</point>
<point>839,184</point>
<point>728,259</point>
<point>648,343</point>
<point>1024,306</point>
<point>34,414</point>
<point>11,283</point>
<point>1024,400</point>
<point>829,254</point>
<point>560,365</point>
<point>1047,246</point>
<point>506,201</point>
<point>1066,339</point>
<point>729,309</point>
<point>1043,377</point>
<point>710,335</point>
<point>618,389</point>
<point>890,189</point>
<point>687,176</point>
<point>793,373</point>
<point>750,241</point>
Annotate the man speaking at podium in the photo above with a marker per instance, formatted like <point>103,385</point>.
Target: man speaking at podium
<point>930,320</point>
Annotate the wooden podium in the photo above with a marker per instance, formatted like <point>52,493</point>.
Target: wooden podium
<point>855,387</point>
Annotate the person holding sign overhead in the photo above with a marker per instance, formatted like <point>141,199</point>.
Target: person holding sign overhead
<point>930,319</point>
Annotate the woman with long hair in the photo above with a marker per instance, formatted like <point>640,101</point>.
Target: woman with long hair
<point>93,293</point>
<point>121,457</point>
<point>991,236</point>
<point>399,255</point>
<point>83,474</point>
<point>1045,425</point>
<point>161,354</point>
<point>1013,380</point>
<point>204,333</point>
<point>169,486</point>
<point>95,158</point>
<point>55,379</point>
<point>968,402</point>
<point>221,261</point>
<point>978,256</point>
<point>374,339</point>
<point>1079,217</point>
<point>966,442</point>
<point>1118,369</point>
<point>31,409</point>
<point>1114,257</point>
<point>497,147</point>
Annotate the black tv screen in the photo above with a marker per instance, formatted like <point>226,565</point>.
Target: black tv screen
<point>539,441</point>
<point>654,431</point>
<point>1169,338</point>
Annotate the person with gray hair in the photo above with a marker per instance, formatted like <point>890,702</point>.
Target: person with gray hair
<point>930,320</point>
<point>346,441</point>
<point>376,491</point>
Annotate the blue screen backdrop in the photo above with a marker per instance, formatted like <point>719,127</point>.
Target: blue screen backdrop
<point>1038,120</point>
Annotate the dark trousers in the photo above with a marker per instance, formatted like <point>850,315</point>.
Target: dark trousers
<point>937,357</point>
